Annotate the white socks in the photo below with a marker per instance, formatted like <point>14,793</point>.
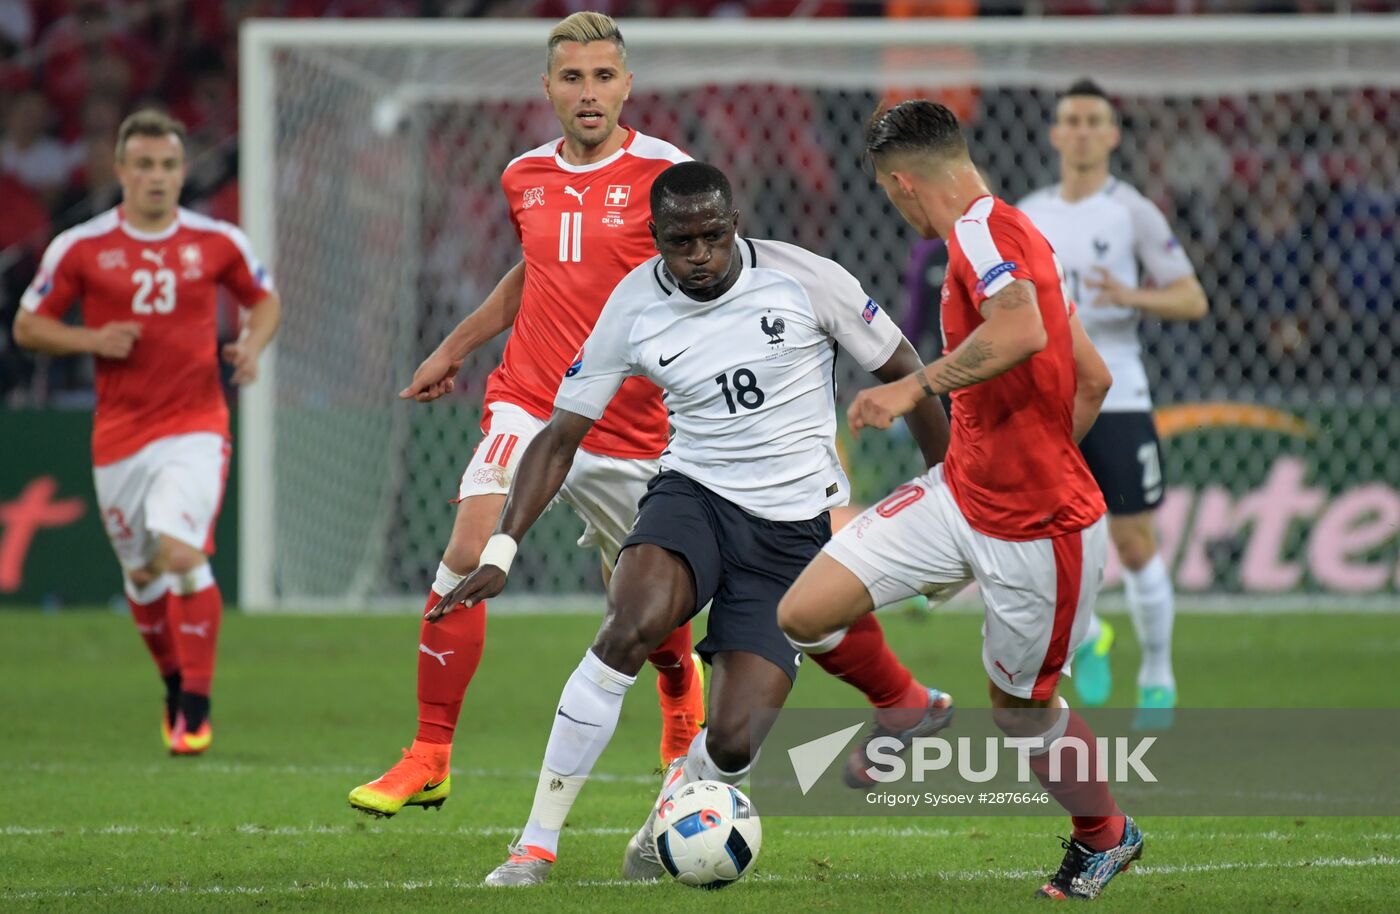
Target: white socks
<point>148,594</point>
<point>1153,606</point>
<point>583,725</point>
<point>700,767</point>
<point>191,582</point>
<point>446,580</point>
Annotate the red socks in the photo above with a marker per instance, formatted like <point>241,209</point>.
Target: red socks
<point>1101,831</point>
<point>675,667</point>
<point>195,619</point>
<point>864,659</point>
<point>449,651</point>
<point>149,610</point>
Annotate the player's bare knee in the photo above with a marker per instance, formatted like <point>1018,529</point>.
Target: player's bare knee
<point>798,620</point>
<point>1134,539</point>
<point>181,558</point>
<point>1017,716</point>
<point>143,576</point>
<point>1135,551</point>
<point>461,558</point>
<point>626,638</point>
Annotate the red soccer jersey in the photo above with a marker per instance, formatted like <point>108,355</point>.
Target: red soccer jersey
<point>1012,462</point>
<point>583,228</point>
<point>168,282</point>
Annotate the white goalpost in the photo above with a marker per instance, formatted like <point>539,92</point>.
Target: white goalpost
<point>370,155</point>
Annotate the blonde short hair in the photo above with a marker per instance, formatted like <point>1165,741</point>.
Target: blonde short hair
<point>148,122</point>
<point>583,27</point>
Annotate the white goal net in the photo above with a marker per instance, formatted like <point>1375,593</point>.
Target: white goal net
<point>371,156</point>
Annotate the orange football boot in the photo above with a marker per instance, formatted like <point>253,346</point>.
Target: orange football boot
<point>423,777</point>
<point>183,742</point>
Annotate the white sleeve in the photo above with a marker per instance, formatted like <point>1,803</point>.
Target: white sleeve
<point>1162,258</point>
<point>603,362</point>
<point>851,316</point>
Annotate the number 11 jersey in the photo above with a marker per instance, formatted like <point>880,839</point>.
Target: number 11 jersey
<point>582,228</point>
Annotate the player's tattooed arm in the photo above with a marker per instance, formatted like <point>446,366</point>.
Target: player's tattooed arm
<point>1011,332</point>
<point>437,375</point>
<point>927,421</point>
<point>539,477</point>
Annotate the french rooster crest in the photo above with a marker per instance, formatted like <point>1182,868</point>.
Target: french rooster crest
<point>774,330</point>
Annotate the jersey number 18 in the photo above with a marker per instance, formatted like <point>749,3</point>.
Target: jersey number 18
<point>745,390</point>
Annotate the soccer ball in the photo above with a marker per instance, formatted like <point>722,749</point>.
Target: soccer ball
<point>707,835</point>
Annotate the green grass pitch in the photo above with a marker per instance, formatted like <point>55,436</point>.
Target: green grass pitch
<point>97,818</point>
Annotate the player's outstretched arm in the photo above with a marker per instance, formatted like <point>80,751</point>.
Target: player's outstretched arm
<point>1092,379</point>
<point>1011,331</point>
<point>438,372</point>
<point>258,328</point>
<point>41,333</point>
<point>927,421</point>
<point>537,480</point>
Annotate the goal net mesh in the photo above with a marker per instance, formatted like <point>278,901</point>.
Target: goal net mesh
<point>1275,162</point>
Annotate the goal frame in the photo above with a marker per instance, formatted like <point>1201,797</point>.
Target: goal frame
<point>261,39</point>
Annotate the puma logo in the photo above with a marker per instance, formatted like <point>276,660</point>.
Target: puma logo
<point>1010,676</point>
<point>576,193</point>
<point>440,658</point>
<point>155,257</point>
<point>199,631</point>
<point>151,629</point>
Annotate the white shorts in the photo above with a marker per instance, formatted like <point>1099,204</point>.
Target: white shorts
<point>1038,594</point>
<point>603,491</point>
<point>172,486</point>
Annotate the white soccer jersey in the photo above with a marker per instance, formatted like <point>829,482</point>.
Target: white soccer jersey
<point>1117,229</point>
<point>748,377</point>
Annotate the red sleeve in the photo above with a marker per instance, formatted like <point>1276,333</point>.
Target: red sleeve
<point>996,251</point>
<point>510,205</point>
<point>244,276</point>
<point>59,282</point>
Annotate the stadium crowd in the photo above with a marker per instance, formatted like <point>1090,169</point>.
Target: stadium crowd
<point>1248,184</point>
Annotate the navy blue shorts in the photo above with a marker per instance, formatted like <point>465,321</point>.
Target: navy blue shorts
<point>742,564</point>
<point>1124,455</point>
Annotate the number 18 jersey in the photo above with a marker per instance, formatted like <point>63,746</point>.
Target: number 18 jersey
<point>582,228</point>
<point>748,376</point>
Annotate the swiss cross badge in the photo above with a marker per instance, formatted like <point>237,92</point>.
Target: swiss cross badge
<point>192,260</point>
<point>617,195</point>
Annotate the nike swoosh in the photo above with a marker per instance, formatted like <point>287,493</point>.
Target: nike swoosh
<point>427,787</point>
<point>582,723</point>
<point>665,361</point>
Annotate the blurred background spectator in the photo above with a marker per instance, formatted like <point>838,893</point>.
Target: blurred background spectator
<point>70,70</point>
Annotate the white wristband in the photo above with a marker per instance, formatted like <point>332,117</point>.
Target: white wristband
<point>499,551</point>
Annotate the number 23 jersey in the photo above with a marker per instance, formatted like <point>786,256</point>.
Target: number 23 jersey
<point>748,377</point>
<point>168,283</point>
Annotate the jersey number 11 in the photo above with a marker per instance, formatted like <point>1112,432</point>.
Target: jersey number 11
<point>570,237</point>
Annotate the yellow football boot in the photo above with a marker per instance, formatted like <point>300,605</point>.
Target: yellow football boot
<point>423,777</point>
